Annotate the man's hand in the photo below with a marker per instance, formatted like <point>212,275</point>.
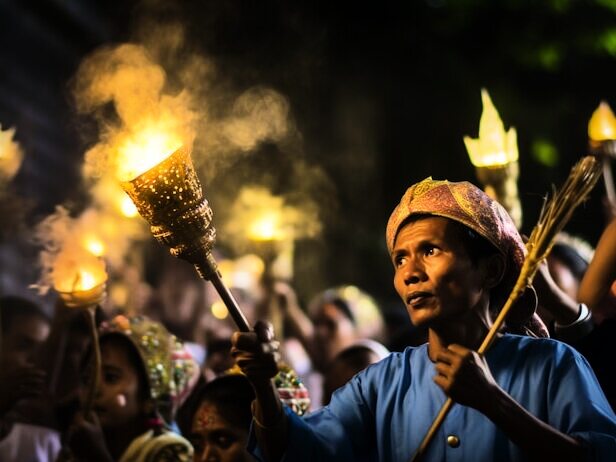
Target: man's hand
<point>256,353</point>
<point>18,383</point>
<point>464,375</point>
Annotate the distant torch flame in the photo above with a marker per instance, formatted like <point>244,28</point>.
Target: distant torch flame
<point>144,150</point>
<point>76,272</point>
<point>602,124</point>
<point>495,146</point>
<point>267,228</point>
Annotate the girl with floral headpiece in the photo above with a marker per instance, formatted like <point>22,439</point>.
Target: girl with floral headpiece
<point>145,375</point>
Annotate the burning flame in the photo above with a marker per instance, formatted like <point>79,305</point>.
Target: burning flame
<point>10,154</point>
<point>144,150</point>
<point>602,124</point>
<point>75,270</point>
<point>494,147</point>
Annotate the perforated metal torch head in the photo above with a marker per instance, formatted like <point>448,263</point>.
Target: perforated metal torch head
<point>169,196</point>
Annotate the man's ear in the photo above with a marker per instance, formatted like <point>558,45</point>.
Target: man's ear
<point>493,270</point>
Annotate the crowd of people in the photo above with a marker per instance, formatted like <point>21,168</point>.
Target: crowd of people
<point>178,385</point>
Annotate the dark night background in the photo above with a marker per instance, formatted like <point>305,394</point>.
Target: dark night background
<point>382,93</point>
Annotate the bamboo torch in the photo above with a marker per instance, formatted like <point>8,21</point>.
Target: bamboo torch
<point>80,280</point>
<point>555,214</point>
<point>495,157</point>
<point>168,195</point>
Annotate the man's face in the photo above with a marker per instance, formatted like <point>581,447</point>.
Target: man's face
<point>24,338</point>
<point>434,274</point>
<point>215,438</point>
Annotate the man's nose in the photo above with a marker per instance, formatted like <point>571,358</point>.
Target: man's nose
<point>209,454</point>
<point>413,272</point>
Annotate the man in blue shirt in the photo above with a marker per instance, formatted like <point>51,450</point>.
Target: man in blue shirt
<point>456,255</point>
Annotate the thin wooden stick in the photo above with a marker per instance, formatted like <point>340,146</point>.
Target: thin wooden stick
<point>555,214</point>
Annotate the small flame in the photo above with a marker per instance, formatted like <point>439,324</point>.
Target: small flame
<point>602,124</point>
<point>95,246</point>
<point>144,150</point>
<point>75,271</point>
<point>495,146</point>
<point>10,154</point>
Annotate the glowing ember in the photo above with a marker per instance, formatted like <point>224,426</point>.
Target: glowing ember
<point>494,147</point>
<point>602,124</point>
<point>143,151</point>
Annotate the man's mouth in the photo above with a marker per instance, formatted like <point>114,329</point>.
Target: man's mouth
<point>418,298</point>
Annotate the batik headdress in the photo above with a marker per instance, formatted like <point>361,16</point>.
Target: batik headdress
<point>467,204</point>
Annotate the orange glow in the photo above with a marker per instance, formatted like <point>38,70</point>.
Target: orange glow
<point>142,150</point>
<point>219,310</point>
<point>602,124</point>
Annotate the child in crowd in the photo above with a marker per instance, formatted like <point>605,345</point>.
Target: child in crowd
<point>145,375</point>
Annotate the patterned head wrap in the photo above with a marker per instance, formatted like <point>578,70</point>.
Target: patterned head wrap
<point>170,370</point>
<point>466,204</point>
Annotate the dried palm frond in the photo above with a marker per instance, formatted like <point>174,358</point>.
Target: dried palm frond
<point>555,214</point>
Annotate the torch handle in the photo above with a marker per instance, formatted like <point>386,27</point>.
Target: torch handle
<point>230,302</point>
<point>208,270</point>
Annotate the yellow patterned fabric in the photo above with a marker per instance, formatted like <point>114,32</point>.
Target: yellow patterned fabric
<point>467,204</point>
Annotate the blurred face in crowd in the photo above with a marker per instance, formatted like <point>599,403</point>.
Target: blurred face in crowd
<point>434,274</point>
<point>119,400</point>
<point>333,331</point>
<point>23,339</point>
<point>215,439</point>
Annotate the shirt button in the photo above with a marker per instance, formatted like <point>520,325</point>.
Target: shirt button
<point>453,441</point>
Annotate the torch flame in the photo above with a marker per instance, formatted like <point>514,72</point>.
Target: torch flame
<point>76,271</point>
<point>144,150</point>
<point>495,146</point>
<point>267,228</point>
<point>602,124</point>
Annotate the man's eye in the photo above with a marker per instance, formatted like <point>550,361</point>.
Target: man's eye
<point>399,261</point>
<point>430,251</point>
